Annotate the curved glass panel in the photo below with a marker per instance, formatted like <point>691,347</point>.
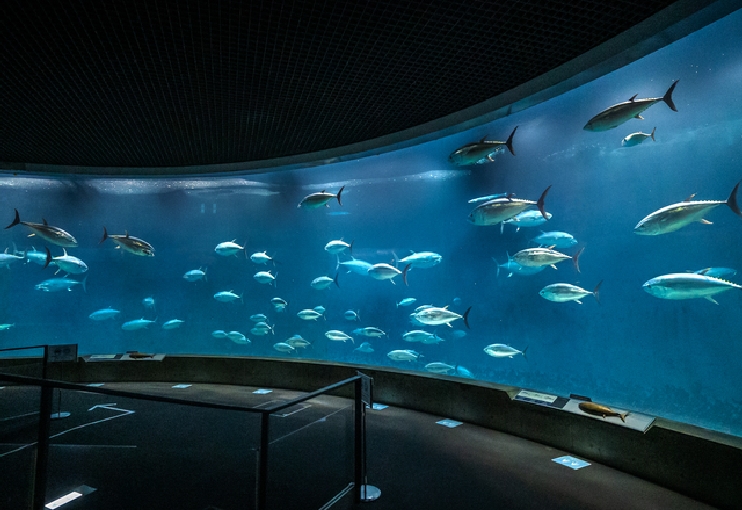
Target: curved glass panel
<point>635,349</point>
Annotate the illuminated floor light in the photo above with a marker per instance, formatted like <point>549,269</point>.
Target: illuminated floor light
<point>77,493</point>
<point>571,462</point>
<point>449,423</point>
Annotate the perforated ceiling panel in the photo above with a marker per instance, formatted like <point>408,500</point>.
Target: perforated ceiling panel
<point>158,83</point>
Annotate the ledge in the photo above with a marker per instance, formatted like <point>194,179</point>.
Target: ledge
<point>699,463</point>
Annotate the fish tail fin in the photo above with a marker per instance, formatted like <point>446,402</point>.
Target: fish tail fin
<point>576,259</point>
<point>624,415</point>
<point>466,317</point>
<point>16,220</point>
<point>335,281</point>
<point>652,133</point>
<point>358,315</point>
<point>105,235</point>
<point>404,274</point>
<point>524,353</point>
<point>498,266</point>
<point>48,257</point>
<point>341,190</point>
<point>84,286</point>
<point>502,227</point>
<point>596,291</point>
<point>275,277</point>
<point>667,98</point>
<point>396,259</point>
<point>509,143</point>
<point>540,203</point>
<point>732,200</point>
<point>350,248</point>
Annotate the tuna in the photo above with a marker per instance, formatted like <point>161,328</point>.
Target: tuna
<point>495,211</point>
<point>563,292</point>
<point>387,272</point>
<point>195,275</point>
<point>104,314</point>
<point>137,324</point>
<point>532,257</point>
<point>503,351</point>
<point>338,336</point>
<point>687,286</point>
<point>619,113</point>
<point>54,235</point>
<point>228,248</point>
<point>675,216</point>
<point>483,151</point>
<point>423,259</point>
<point>435,316</point>
<point>404,355</point>
<point>129,243</point>
<point>315,200</point>
<point>323,282</point>
<point>67,263</point>
<point>59,284</point>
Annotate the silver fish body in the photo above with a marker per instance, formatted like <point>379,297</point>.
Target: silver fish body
<point>129,243</point>
<point>635,139</point>
<point>137,324</point>
<point>387,272</point>
<point>687,286</point>
<point>675,216</point>
<point>563,292</point>
<point>503,351</point>
<point>315,200</point>
<point>483,151</point>
<point>434,316</point>
<point>619,113</point>
<point>531,257</point>
<point>423,259</point>
<point>54,235</point>
<point>498,210</point>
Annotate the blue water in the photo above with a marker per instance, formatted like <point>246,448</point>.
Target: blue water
<point>677,359</point>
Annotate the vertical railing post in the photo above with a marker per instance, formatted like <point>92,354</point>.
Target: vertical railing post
<point>42,447</point>
<point>262,481</point>
<point>358,440</point>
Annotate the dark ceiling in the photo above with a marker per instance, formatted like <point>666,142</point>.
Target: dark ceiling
<point>159,83</point>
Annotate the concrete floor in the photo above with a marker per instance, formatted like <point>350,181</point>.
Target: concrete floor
<point>146,455</point>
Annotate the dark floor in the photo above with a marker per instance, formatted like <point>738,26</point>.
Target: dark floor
<point>146,455</point>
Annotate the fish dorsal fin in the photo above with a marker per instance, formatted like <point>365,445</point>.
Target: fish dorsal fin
<point>126,234</point>
<point>637,116</point>
<point>484,138</point>
<point>632,98</point>
<point>65,252</point>
<point>322,191</point>
<point>43,220</point>
<point>706,222</point>
<point>551,247</point>
<point>510,197</point>
<point>689,198</point>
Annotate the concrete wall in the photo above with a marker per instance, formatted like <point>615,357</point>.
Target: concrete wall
<point>702,464</point>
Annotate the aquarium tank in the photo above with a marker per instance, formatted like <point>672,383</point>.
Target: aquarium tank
<point>593,250</point>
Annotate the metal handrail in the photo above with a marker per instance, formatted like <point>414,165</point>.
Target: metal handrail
<point>261,484</point>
